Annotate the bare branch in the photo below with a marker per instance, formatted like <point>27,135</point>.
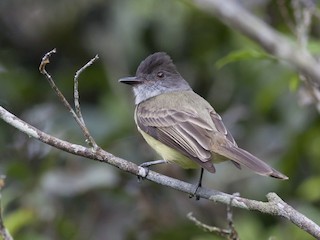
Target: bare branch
<point>302,14</point>
<point>270,40</point>
<point>303,11</point>
<point>233,232</point>
<point>76,89</point>
<point>45,60</point>
<point>230,233</point>
<point>219,231</point>
<point>80,122</point>
<point>275,43</point>
<point>77,104</point>
<point>285,15</point>
<point>5,234</point>
<point>274,206</point>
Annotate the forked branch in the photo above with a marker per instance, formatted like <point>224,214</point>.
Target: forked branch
<point>274,206</point>
<point>4,233</point>
<point>77,116</point>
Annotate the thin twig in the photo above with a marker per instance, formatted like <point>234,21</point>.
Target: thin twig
<point>85,131</point>
<point>76,100</point>
<point>233,232</point>
<point>303,11</point>
<point>302,14</point>
<point>5,234</point>
<point>230,234</point>
<point>219,231</point>
<point>76,89</point>
<point>285,15</point>
<point>45,60</point>
<point>274,206</point>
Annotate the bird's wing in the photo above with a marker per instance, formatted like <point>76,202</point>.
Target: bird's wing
<point>189,134</point>
<point>240,156</point>
<point>217,120</point>
<point>184,131</point>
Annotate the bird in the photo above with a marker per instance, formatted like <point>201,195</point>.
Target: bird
<point>180,125</point>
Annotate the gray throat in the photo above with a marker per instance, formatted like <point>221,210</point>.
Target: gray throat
<point>143,92</point>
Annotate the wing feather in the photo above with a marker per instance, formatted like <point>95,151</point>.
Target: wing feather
<point>183,131</point>
<point>193,134</point>
<point>217,120</point>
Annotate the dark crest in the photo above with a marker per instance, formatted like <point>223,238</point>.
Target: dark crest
<point>154,61</point>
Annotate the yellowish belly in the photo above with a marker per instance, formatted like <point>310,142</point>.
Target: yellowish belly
<point>168,153</point>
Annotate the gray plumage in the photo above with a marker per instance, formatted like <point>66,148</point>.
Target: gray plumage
<point>173,115</point>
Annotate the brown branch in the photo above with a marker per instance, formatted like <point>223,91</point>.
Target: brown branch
<point>230,234</point>
<point>45,60</point>
<point>212,229</point>
<point>233,232</point>
<point>5,234</point>
<point>76,91</point>
<point>89,139</point>
<point>274,206</point>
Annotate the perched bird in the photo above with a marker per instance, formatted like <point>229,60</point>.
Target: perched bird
<point>182,126</point>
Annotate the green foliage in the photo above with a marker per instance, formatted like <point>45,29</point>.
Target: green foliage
<point>294,83</point>
<point>309,189</point>
<point>54,195</point>
<point>19,219</point>
<point>314,46</point>
<point>242,55</point>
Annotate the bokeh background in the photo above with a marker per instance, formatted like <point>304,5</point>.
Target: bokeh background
<point>50,194</point>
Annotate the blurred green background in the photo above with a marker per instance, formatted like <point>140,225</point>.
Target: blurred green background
<point>54,195</point>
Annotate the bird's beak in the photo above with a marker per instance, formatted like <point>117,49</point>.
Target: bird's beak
<point>131,80</point>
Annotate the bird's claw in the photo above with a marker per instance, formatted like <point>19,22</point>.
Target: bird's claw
<point>194,194</point>
<point>146,171</point>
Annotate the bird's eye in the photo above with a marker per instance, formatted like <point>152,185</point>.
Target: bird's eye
<point>160,74</point>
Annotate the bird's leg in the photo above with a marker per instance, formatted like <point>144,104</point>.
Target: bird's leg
<point>146,166</point>
<point>197,186</point>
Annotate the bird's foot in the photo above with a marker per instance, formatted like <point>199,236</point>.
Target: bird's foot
<point>194,194</point>
<point>146,166</point>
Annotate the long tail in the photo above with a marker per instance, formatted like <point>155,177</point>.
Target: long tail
<point>245,158</point>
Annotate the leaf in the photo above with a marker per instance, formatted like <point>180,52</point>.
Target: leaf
<point>243,54</point>
<point>19,219</point>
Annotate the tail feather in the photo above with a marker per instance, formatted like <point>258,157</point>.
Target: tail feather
<point>245,158</point>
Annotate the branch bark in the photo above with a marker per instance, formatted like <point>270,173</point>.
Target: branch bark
<point>274,43</point>
<point>270,40</point>
<point>4,233</point>
<point>42,68</point>
<point>274,206</point>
